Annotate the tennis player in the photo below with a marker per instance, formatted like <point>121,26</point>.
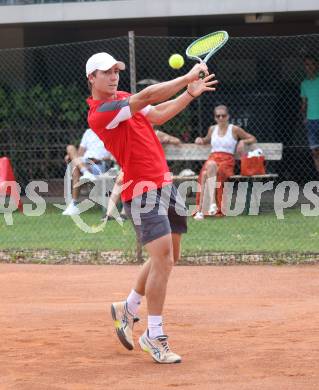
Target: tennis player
<point>124,123</point>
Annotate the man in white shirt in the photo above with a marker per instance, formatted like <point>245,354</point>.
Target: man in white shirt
<point>87,163</point>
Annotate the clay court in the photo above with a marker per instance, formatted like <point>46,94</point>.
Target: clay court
<point>236,327</point>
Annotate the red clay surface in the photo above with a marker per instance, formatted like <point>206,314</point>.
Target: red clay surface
<point>241,327</point>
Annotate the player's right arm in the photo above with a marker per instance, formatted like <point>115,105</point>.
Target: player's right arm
<point>163,91</point>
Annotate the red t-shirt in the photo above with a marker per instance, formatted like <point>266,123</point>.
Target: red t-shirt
<point>133,143</point>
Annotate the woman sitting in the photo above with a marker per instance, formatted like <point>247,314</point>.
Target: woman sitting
<point>226,139</point>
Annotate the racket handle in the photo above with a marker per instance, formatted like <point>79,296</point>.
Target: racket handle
<point>201,74</point>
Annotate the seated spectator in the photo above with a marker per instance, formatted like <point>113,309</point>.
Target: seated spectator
<point>224,139</point>
<point>88,161</point>
<point>310,105</point>
<point>164,138</point>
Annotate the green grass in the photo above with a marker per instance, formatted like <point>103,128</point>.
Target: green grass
<point>260,233</point>
<point>52,230</point>
<point>263,233</point>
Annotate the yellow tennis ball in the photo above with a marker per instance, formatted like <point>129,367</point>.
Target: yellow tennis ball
<point>176,61</point>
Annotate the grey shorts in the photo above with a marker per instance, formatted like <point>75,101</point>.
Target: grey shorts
<point>157,213</point>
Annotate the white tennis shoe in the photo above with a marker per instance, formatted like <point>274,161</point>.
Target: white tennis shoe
<point>212,209</point>
<point>159,349</point>
<point>199,216</point>
<point>123,322</point>
<point>72,209</point>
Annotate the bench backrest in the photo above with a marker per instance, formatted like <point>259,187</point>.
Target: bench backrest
<point>193,152</point>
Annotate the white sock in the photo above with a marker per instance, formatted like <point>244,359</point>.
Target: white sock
<point>133,302</point>
<point>155,326</point>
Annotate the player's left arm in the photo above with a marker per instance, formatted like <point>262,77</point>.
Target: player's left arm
<point>163,112</point>
<point>160,114</point>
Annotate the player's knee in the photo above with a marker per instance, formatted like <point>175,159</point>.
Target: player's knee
<point>167,262</point>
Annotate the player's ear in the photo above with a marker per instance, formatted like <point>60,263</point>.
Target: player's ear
<point>90,80</point>
<point>91,77</point>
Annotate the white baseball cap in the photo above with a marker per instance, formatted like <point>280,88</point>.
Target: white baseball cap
<point>102,61</point>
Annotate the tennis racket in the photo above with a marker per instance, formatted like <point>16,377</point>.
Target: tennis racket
<point>206,46</point>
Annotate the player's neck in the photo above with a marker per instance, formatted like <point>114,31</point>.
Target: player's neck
<point>98,95</point>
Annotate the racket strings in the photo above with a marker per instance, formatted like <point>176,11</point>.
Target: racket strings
<point>206,44</point>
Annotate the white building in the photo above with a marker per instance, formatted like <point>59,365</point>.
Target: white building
<point>48,22</point>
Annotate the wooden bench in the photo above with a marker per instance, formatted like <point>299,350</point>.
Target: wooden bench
<point>193,152</point>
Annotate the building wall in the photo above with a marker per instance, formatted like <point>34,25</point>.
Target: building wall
<point>144,9</point>
<point>46,24</point>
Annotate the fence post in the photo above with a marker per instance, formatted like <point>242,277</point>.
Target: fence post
<point>131,43</point>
